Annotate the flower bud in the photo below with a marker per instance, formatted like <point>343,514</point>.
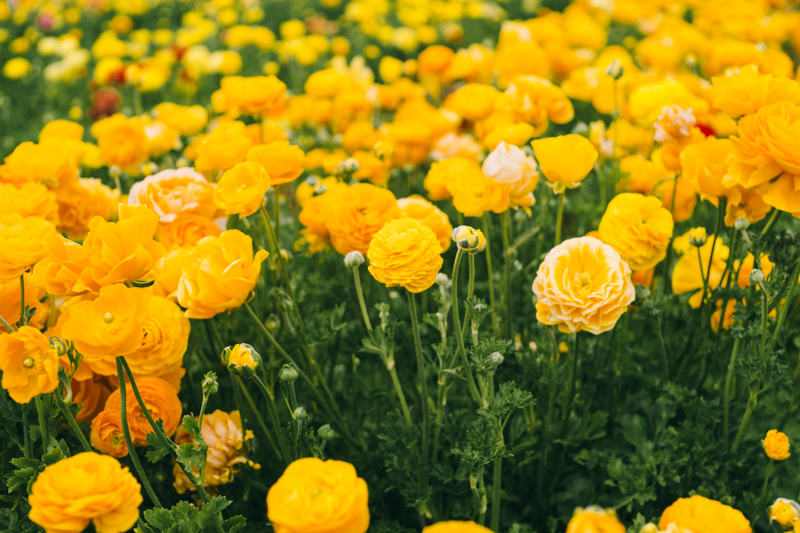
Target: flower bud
<point>346,168</point>
<point>242,359</point>
<point>756,276</point>
<point>289,373</point>
<point>209,384</point>
<point>497,358</point>
<point>615,69</point>
<point>741,224</point>
<point>354,259</point>
<point>784,512</point>
<point>649,528</point>
<point>776,444</point>
<point>697,237</point>
<point>300,414</point>
<point>383,150</point>
<point>325,432</point>
<point>466,238</point>
<point>481,243</point>
<point>273,322</point>
<point>442,279</point>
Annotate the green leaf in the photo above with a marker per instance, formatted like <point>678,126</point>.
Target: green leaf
<point>159,518</point>
<point>207,512</point>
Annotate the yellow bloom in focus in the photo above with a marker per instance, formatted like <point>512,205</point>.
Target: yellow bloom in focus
<point>564,160</point>
<point>160,398</point>
<point>29,364</point>
<point>110,324</point>
<point>405,253</point>
<point>174,191</point>
<point>776,445</point>
<point>429,215</point>
<point>50,162</point>
<point>16,68</point>
<point>218,274</point>
<point>595,520</point>
<point>169,273</point>
<point>22,243</point>
<point>122,140</point>
<point>745,91</point>
<point>106,435</point>
<point>283,161</point>
<point>186,231</point>
<point>227,145</point>
<point>223,433</point>
<point>704,515</point>
<point>241,190</point>
<point>242,355</point>
<point>473,194</point>
<point>705,165</point>
<point>638,228</point>
<point>331,488</point>
<point>687,276</point>
<point>61,269</point>
<point>582,284</point>
<point>359,213</point>
<point>121,251</point>
<point>784,512</point>
<point>85,488</point>
<point>444,172</point>
<point>453,526</point>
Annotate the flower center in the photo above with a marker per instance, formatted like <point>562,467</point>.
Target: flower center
<point>583,279</point>
<point>108,318</point>
<point>28,362</point>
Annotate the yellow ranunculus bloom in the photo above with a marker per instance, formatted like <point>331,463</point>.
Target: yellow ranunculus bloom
<point>565,160</point>
<point>405,253</point>
<point>582,284</point>
<point>443,172</point>
<point>61,269</point>
<point>29,364</point>
<point>106,435</point>
<point>227,145</point>
<point>173,192</point>
<point>638,228</point>
<point>283,161</point>
<point>474,194</point>
<point>122,140</point>
<point>242,355</point>
<point>454,526</point>
<point>784,512</point>
<point>338,496</point>
<point>219,274</point>
<point>50,162</point>
<point>85,488</point>
<point>429,215</point>
<point>241,190</point>
<point>776,445</point>
<point>186,231</point>
<point>188,120</point>
<point>595,520</point>
<point>702,514</point>
<point>10,295</point>
<point>160,398</point>
<point>257,95</point>
<point>359,213</point>
<point>745,91</point>
<point>22,243</point>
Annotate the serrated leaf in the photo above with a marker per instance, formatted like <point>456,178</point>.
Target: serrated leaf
<point>211,508</point>
<point>159,518</point>
<point>192,426</point>
<point>155,456</point>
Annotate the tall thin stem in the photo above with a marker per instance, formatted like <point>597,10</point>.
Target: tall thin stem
<point>23,315</point>
<point>276,424</point>
<point>257,414</point>
<point>496,493</point>
<point>776,214</point>
<point>361,302</point>
<point>559,216</point>
<point>490,273</point>
<point>44,433</point>
<point>504,221</point>
<point>473,389</point>
<point>737,344</point>
<point>423,390</point>
<point>64,408</point>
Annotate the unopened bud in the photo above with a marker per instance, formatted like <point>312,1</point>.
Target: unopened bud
<point>289,373</point>
<point>649,528</point>
<point>273,322</point>
<point>442,279</point>
<point>325,432</point>
<point>756,276</point>
<point>741,224</point>
<point>466,238</point>
<point>347,167</point>
<point>497,358</point>
<point>354,259</point>
<point>209,384</point>
<point>615,69</point>
<point>697,240</point>
<point>300,414</point>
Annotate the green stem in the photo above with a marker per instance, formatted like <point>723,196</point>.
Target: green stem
<point>390,365</point>
<point>767,475</point>
<point>489,272</point>
<point>64,408</point>
<point>215,334</point>
<point>423,386</point>
<point>238,398</point>
<point>276,195</point>
<point>256,413</point>
<point>44,432</point>
<point>751,405</point>
<point>159,431</point>
<point>559,216</point>
<point>23,315</point>
<point>126,432</point>
<point>737,344</point>
<point>6,324</point>
<point>362,303</point>
<point>473,389</point>
<point>785,309</point>
<point>776,214</point>
<point>504,220</point>
<point>26,434</point>
<point>663,345</point>
<point>496,494</point>
<point>470,292</point>
<point>287,458</point>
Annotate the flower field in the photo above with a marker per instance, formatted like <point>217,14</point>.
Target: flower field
<point>399,266</point>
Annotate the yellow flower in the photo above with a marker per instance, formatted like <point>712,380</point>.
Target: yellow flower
<point>509,166</point>
<point>22,243</point>
<point>704,515</point>
<point>405,253</point>
<point>317,210</point>
<point>109,325</point>
<point>785,512</point>
<point>122,140</point>
<point>29,200</point>
<point>227,145</point>
<point>685,199</point>
<point>160,398</point>
<point>454,526</point>
<point>283,161</point>
<point>429,215</point>
<point>88,392</point>
<point>187,120</point>
<point>29,364</point>
<point>49,162</point>
<point>223,433</point>
<point>79,203</point>
<point>582,284</point>
<point>565,160</point>
<point>255,96</point>
<point>186,231</point>
<point>16,68</point>
<point>169,273</point>
<point>61,269</point>
<point>242,355</point>
<point>331,488</point>
<point>776,445</point>
<point>171,192</point>
<point>443,172</point>
<point>219,274</point>
<point>766,157</point>
<point>359,213</point>
<point>643,176</point>
<point>638,228</point>
<point>106,435</point>
<point>595,520</point>
<point>473,193</point>
<point>241,189</point>
<point>121,251</point>
<point>746,91</point>
<point>473,101</point>
<point>85,488</point>
<point>10,294</point>
<point>705,165</point>
<point>687,275</point>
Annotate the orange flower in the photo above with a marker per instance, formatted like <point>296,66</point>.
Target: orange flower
<point>747,266</point>
<point>169,273</point>
<point>121,251</point>
<point>85,488</point>
<point>60,271</point>
<point>161,400</point>
<point>255,96</point>
<point>10,295</point>
<point>746,91</point>
<point>473,194</point>
<point>90,394</point>
<point>186,231</point>
<point>283,161</point>
<point>405,253</point>
<point>688,273</point>
<point>227,145</point>
<point>565,160</point>
<point>241,189</point>
<point>22,243</point>
<point>360,212</point>
<point>582,284</point>
<point>219,274</point>
<point>172,192</point>
<point>106,435</point>
<point>80,202</point>
<point>29,364</point>
<point>49,162</point>
<point>429,215</point>
<point>595,520</point>
<point>29,200</point>
<point>223,434</point>
<point>122,140</point>
<point>685,200</point>
<point>109,325</point>
<point>316,212</point>
<point>338,496</point>
<point>187,120</point>
<point>702,514</point>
